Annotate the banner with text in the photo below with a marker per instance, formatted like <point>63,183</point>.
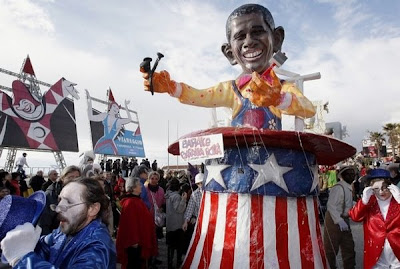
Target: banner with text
<point>201,147</point>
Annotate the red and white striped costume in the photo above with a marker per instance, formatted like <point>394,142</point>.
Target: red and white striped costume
<point>256,231</point>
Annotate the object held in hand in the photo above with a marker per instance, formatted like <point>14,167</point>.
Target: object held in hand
<point>278,60</point>
<point>145,65</point>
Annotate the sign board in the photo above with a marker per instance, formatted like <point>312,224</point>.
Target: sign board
<point>202,147</point>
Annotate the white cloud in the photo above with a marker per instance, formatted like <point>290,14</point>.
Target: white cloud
<point>26,14</point>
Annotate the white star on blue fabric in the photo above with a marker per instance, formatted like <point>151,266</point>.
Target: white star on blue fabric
<point>314,170</point>
<point>214,172</point>
<point>270,171</point>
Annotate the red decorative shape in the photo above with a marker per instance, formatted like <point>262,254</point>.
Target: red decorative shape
<point>28,67</point>
<point>328,150</point>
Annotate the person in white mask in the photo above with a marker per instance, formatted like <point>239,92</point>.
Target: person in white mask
<point>379,210</point>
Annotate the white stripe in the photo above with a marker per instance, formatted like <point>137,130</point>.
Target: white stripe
<point>242,242</point>
<point>313,220</point>
<point>204,228</point>
<point>293,236</point>
<point>269,232</point>
<point>219,236</point>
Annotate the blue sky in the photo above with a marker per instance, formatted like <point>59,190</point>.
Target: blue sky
<point>97,44</point>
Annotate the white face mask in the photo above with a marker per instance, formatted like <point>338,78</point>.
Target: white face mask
<point>381,193</point>
<point>76,217</point>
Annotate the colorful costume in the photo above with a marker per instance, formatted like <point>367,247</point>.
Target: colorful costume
<point>136,226</point>
<point>381,233</point>
<point>244,113</point>
<point>92,247</point>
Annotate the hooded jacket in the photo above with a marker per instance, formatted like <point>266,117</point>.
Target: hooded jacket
<point>176,206</point>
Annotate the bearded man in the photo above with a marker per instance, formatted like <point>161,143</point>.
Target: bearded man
<point>81,241</point>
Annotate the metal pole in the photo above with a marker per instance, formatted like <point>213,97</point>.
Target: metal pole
<point>168,144</point>
<point>177,137</point>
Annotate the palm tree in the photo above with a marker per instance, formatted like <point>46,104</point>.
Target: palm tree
<point>378,138</point>
<point>392,130</point>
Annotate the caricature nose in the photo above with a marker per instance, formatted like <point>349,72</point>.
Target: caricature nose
<point>248,41</point>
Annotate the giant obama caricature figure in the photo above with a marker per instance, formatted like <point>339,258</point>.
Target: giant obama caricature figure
<point>255,100</point>
<point>259,205</point>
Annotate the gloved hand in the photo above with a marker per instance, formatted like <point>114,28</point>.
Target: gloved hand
<point>395,192</point>
<point>343,225</point>
<point>367,193</point>
<point>264,92</point>
<point>161,83</point>
<point>20,241</point>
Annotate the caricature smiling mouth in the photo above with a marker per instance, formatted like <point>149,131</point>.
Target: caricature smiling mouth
<point>252,54</point>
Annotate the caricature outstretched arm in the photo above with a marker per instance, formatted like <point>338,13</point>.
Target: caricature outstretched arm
<point>123,121</point>
<point>98,117</point>
<point>287,98</point>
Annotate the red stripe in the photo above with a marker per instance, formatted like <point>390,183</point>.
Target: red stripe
<point>197,233</point>
<point>319,237</point>
<point>256,232</point>
<point>282,247</point>
<point>228,253</point>
<point>209,240</point>
<point>306,250</point>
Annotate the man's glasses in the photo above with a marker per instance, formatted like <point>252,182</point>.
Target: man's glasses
<point>63,208</point>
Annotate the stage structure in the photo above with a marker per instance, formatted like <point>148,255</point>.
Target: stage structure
<point>35,121</point>
<point>112,132</point>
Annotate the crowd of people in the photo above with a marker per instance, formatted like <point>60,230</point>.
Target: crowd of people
<point>142,206</point>
<point>362,192</point>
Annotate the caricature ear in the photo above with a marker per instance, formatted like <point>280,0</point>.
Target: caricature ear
<point>227,51</point>
<point>279,35</point>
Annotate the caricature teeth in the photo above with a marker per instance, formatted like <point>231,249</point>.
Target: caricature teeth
<point>252,54</point>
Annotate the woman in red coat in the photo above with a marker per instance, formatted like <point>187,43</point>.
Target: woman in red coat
<point>379,210</point>
<point>136,238</point>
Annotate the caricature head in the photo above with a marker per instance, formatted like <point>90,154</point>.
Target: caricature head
<point>114,108</point>
<point>252,38</point>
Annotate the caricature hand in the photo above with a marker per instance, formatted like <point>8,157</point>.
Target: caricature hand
<point>395,192</point>
<point>161,82</point>
<point>367,193</point>
<point>265,92</point>
<point>20,241</point>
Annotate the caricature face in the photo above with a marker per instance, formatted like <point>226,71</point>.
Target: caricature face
<point>114,109</point>
<point>380,190</point>
<point>74,218</point>
<point>251,41</point>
